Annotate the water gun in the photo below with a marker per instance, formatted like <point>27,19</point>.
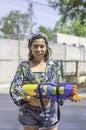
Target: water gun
<point>51,90</point>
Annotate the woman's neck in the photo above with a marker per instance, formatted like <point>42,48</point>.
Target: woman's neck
<point>38,66</point>
<point>37,61</point>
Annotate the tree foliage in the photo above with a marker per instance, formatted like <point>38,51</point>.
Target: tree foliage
<point>47,31</point>
<point>72,16</point>
<point>15,23</point>
<point>70,9</point>
<point>73,28</point>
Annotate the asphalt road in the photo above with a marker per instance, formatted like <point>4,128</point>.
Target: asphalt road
<point>73,115</point>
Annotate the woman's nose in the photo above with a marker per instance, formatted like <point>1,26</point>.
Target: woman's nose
<point>38,48</point>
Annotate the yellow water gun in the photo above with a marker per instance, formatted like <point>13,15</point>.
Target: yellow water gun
<point>54,91</point>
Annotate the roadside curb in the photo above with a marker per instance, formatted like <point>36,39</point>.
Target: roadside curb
<point>4,88</point>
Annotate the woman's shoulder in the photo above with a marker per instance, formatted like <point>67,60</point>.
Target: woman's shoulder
<point>53,62</point>
<point>24,64</point>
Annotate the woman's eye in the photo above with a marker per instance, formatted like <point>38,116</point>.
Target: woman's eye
<point>35,46</point>
<point>42,46</point>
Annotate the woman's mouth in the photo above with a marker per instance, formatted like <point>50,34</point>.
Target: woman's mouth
<point>39,55</point>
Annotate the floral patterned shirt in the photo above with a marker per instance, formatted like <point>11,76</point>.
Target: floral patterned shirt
<point>24,75</point>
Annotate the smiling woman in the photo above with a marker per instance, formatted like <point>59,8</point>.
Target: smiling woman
<point>39,49</point>
<point>35,113</point>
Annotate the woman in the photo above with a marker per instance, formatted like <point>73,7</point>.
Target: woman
<point>37,69</point>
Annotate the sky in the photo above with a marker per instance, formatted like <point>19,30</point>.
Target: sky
<point>42,13</point>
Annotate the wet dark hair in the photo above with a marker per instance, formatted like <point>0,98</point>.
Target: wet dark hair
<point>37,36</point>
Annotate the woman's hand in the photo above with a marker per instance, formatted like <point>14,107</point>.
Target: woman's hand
<point>77,97</point>
<point>32,100</point>
<point>27,98</point>
<point>36,101</point>
<point>71,98</point>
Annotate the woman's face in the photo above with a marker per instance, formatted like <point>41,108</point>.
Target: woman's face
<point>38,48</point>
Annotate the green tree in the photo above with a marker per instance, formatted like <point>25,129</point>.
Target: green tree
<point>15,23</point>
<point>70,9</point>
<point>47,31</point>
<point>74,27</point>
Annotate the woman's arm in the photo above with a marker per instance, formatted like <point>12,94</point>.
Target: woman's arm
<point>15,87</point>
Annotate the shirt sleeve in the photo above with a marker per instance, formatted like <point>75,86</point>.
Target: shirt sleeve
<point>57,68</point>
<point>15,87</point>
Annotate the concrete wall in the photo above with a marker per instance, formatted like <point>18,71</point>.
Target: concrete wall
<point>69,39</point>
<point>9,58</point>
